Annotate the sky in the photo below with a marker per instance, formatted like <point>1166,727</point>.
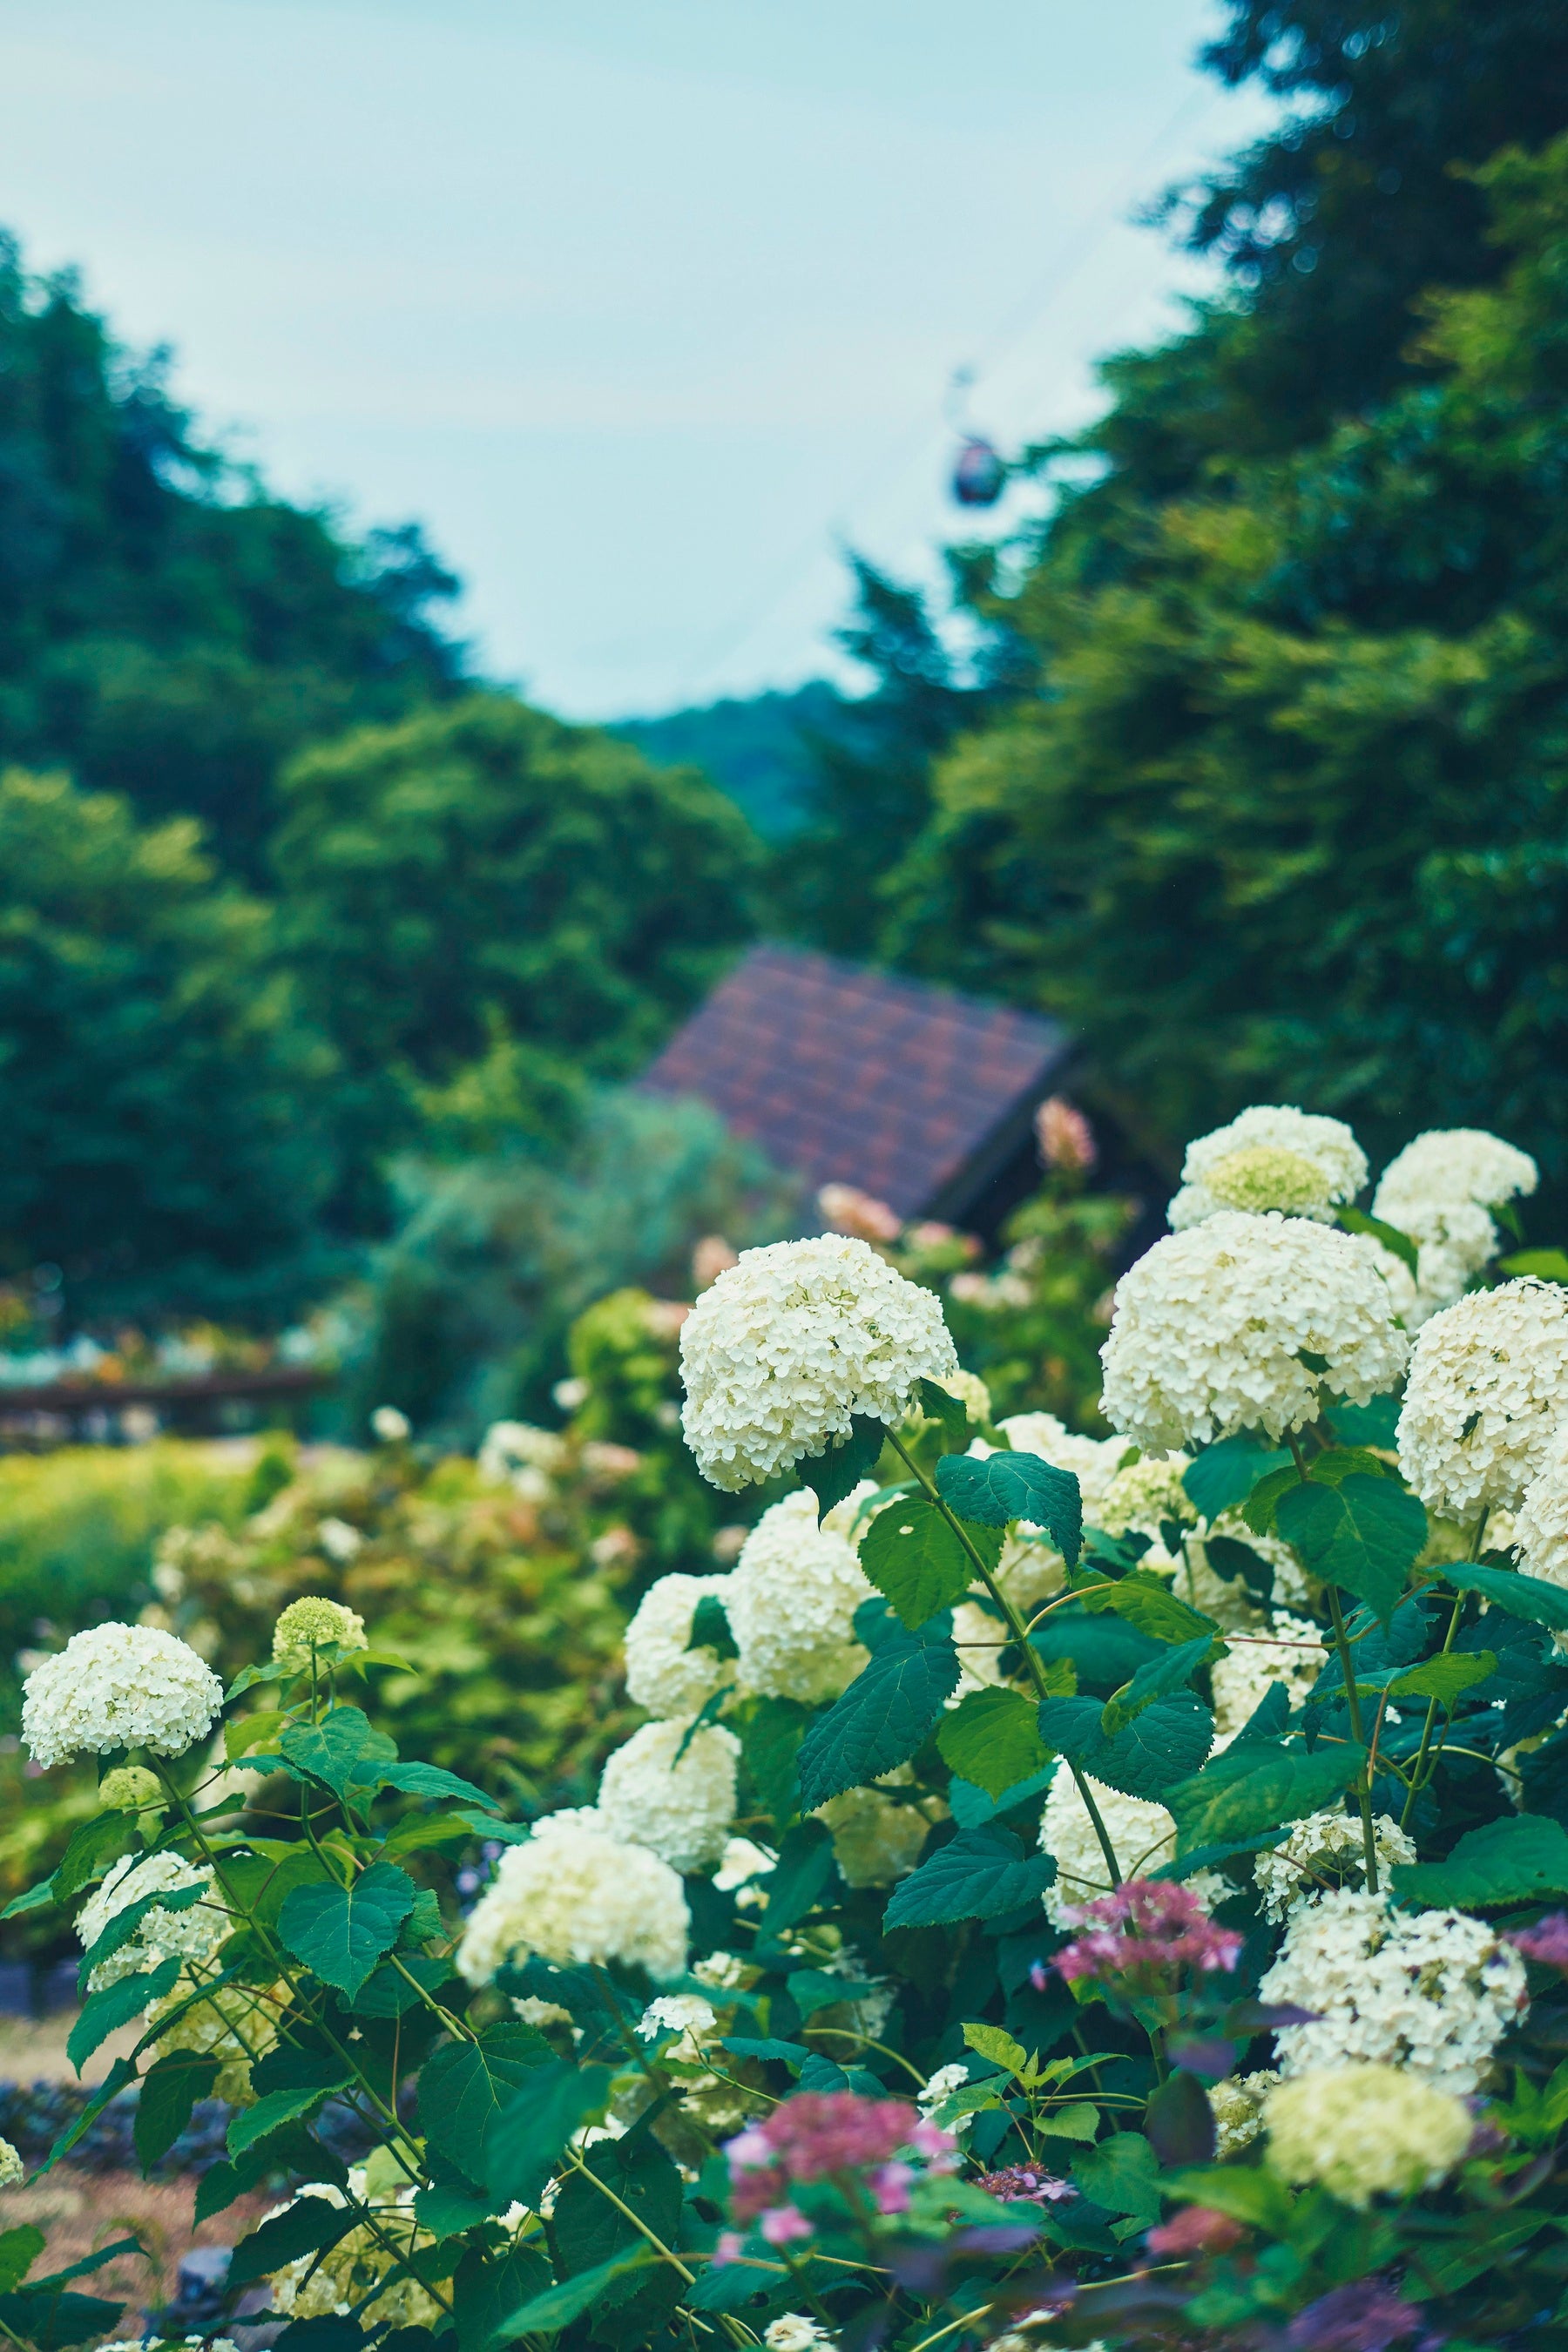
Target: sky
<point>646,309</point>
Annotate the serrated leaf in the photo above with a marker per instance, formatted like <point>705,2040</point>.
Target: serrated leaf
<point>1445,1677</point>
<point>487,2289</point>
<point>524,2140</point>
<point>710,1627</point>
<point>1122,2174</point>
<point>1512,1590</point>
<point>771,1732</point>
<point>1259,1508</point>
<point>1078,2122</point>
<point>340,1753</point>
<point>341,1932</point>
<point>248,1732</point>
<point>588,2231</point>
<point>971,1807</point>
<point>1103,1650</point>
<point>981,1873</point>
<point>1252,1786</point>
<point>307,2226</point>
<point>798,1878</point>
<point>433,1780</point>
<point>251,2125</point>
<point>910,1552</point>
<point>1363,1534</point>
<point>19,2249</point>
<point>96,1842</point>
<point>886,1714</point>
<point>950,1413</point>
<point>992,1740</point>
<point>1000,1487</point>
<point>170,2090</point>
<point>993,2043</point>
<point>1147,1603</point>
<point>1158,1678</point>
<point>104,2012</point>
<point>465,2084</point>
<point>1225,1474</point>
<point>1165,1743</point>
<point>56,2321</point>
<point>1509,1860</point>
<point>838,1471</point>
<point>386,1991</point>
<point>1355,1221</point>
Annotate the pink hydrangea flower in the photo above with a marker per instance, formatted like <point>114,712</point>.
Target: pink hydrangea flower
<point>817,2135</point>
<point>1547,1941</point>
<point>1149,1930</point>
<point>782,2223</point>
<point>1022,2184</point>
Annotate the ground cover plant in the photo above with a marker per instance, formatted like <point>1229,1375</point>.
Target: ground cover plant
<point>1067,1890</point>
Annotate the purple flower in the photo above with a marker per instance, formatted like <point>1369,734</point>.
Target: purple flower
<point>1144,1933</point>
<point>1547,1941</point>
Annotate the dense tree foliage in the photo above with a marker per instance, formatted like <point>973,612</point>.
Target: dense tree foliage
<point>1282,810</point>
<point>168,628</point>
<point>162,1101</point>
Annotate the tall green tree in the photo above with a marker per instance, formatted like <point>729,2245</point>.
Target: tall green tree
<point>168,628</point>
<point>163,1103</point>
<point>1283,812</point>
<point>484,885</point>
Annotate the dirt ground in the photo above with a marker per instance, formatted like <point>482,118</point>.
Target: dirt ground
<point>79,2211</point>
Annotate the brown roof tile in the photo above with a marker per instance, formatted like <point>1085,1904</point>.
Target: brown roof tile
<point>859,1077</point>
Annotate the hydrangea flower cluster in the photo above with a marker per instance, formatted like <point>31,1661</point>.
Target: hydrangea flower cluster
<point>119,1686</point>
<point>1323,1853</point>
<point>824,2136</point>
<point>1149,1932</point>
<point>790,1602</point>
<point>13,2171</point>
<point>1141,1834</point>
<point>1147,1495</point>
<point>345,2277</point>
<point>1293,1654</point>
<point>574,1893</point>
<point>1441,1190</point>
<point>1365,2131</point>
<point>1545,1943</point>
<point>792,1342</point>
<point>1431,1992</point>
<point>1270,1156</point>
<point>193,1935</point>
<point>311,1624</point>
<point>1212,1326</point>
<point>680,1810</point>
<point>1489,1377</point>
<point>1541,1528</point>
<point>877,1840</point>
<point>664,1674</point>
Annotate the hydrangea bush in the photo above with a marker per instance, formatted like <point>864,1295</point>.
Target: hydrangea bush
<point>1067,1891</point>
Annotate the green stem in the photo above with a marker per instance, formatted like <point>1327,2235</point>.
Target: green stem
<point>1421,1754</point>
<point>1353,1701</point>
<point>1020,1633</point>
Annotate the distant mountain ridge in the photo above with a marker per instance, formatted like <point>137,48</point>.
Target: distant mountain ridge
<point>756,749</point>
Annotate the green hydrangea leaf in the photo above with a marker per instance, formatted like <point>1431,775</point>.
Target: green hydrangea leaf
<point>912,1553</point>
<point>838,1471</point>
<point>309,2226</point>
<point>1254,1785</point>
<point>982,1873</point>
<point>1511,1860</point>
<point>889,1710</point>
<point>104,2012</point>
<point>1166,1742</point>
<point>1225,1474</point>
<point>467,2085</point>
<point>1005,1487</point>
<point>1511,1589</point>
<point>524,2140</point>
<point>170,2090</point>
<point>341,1932</point>
<point>1146,1603</point>
<point>1363,1534</point>
<point>992,1740</point>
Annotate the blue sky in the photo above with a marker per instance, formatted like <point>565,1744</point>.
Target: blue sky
<point>644,307</point>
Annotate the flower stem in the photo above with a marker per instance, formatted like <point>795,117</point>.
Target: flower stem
<point>1019,1632</point>
<point>1352,1698</point>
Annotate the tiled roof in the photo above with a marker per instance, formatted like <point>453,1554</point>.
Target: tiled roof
<point>857,1077</point>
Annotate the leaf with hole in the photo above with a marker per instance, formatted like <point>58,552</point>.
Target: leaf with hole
<point>911,1552</point>
<point>1000,1487</point>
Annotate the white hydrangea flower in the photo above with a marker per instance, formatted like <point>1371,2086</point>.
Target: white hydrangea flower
<point>1440,1190</point>
<point>342,2279</point>
<point>787,1346</point>
<point>686,2013</point>
<point>1540,1533</point>
<point>662,1673</point>
<point>1431,1990</point>
<point>875,1839</point>
<point>1453,1163</point>
<point>1292,1653</point>
<point>1326,1847</point>
<point>1270,1156</point>
<point>1365,2131</point>
<point>509,1447</point>
<point>1146,1493</point>
<point>119,1686</point>
<point>574,1894</point>
<point>1237,2106</point>
<point>971,1394</point>
<point>236,2024</point>
<point>1487,1387</point>
<point>721,1971</point>
<point>941,2086</point>
<point>13,2171</point>
<point>193,1934</point>
<point>681,1812</point>
<point>390,1425</point>
<point>793,2331</point>
<point>1211,1327</point>
<point>1093,1461</point>
<point>740,1865</point>
<point>1142,1836</point>
<point>791,1600</point>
